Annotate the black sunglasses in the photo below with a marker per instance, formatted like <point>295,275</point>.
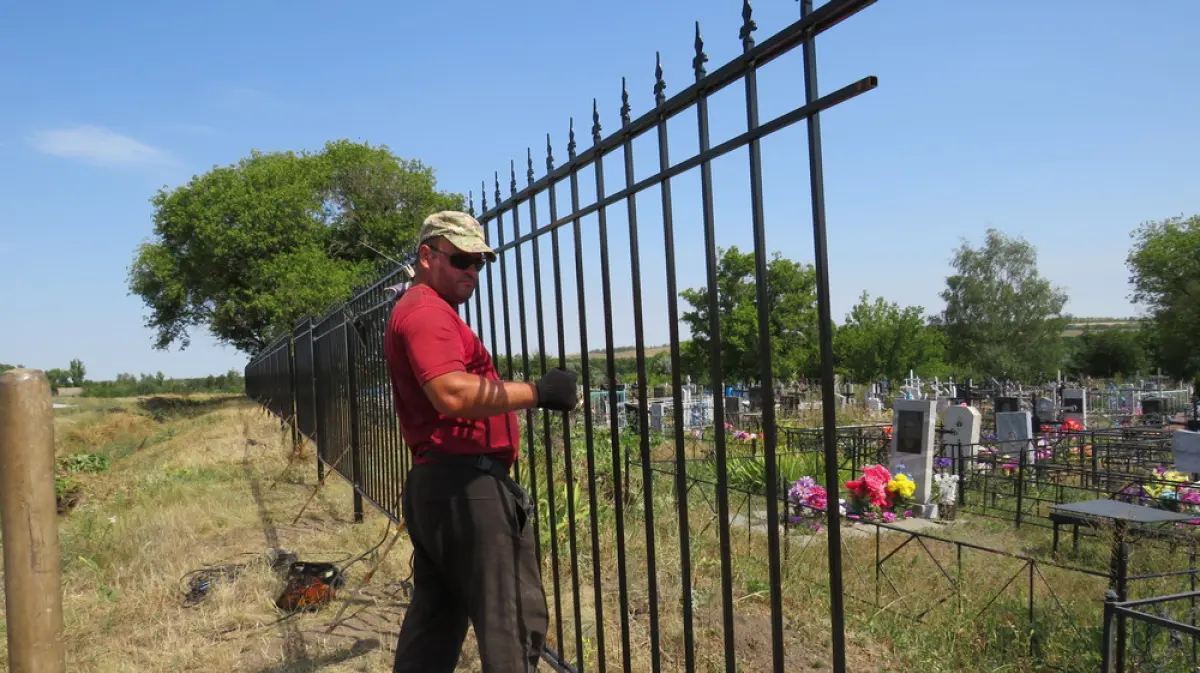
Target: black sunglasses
<point>463,260</point>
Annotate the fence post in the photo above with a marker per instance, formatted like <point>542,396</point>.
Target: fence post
<point>294,407</point>
<point>1022,459</point>
<point>355,454</point>
<point>28,515</point>
<point>318,425</point>
<point>1106,649</point>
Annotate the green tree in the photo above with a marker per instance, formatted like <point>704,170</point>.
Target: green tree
<point>1002,318</point>
<point>6,367</point>
<point>249,249</point>
<point>1109,353</point>
<point>880,339</point>
<point>793,325</point>
<point>77,372</point>
<point>1165,272</point>
<point>59,378</point>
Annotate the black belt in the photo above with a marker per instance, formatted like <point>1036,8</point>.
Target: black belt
<point>487,465</point>
<point>479,462</point>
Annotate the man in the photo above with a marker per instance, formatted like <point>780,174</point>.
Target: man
<point>474,553</point>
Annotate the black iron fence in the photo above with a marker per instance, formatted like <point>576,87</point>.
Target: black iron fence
<point>1162,634</point>
<point>622,583</point>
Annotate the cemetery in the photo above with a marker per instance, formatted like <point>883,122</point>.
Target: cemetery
<point>1035,504</point>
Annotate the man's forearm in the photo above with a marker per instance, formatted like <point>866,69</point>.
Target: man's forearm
<point>463,395</point>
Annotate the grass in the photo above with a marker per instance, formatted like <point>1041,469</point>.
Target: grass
<point>173,485</point>
<point>974,611</point>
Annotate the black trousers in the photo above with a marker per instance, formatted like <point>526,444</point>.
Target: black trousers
<point>474,560</point>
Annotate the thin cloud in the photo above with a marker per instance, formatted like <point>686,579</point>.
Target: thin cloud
<point>98,146</point>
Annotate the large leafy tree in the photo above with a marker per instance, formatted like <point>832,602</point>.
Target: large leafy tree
<point>793,319</point>
<point>1165,273</point>
<point>881,339</point>
<point>247,250</point>
<point>1002,318</point>
<point>1108,353</point>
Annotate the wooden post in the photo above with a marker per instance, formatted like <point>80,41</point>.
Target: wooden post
<point>28,518</point>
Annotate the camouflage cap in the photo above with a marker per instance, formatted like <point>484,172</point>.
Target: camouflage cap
<point>460,229</point>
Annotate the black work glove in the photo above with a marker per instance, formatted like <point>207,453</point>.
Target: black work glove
<point>557,390</point>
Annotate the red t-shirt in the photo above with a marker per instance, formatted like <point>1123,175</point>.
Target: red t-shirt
<point>425,339</point>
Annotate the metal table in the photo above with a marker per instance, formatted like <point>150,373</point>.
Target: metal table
<point>1119,516</point>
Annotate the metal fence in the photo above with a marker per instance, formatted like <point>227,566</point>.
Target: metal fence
<point>329,375</point>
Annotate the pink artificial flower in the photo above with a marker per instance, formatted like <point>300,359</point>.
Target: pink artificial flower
<point>889,516</point>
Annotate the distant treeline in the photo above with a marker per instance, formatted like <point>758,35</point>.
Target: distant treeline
<point>129,385</point>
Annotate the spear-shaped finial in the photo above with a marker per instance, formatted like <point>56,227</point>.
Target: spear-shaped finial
<point>660,86</point>
<point>624,104</point>
<point>512,181</point>
<point>529,160</point>
<point>471,202</point>
<point>595,122</point>
<point>748,27</point>
<point>496,177</point>
<point>571,141</point>
<point>549,155</point>
<point>701,58</point>
<point>483,194</point>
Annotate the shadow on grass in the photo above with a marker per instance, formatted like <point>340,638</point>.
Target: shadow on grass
<point>164,408</point>
<point>358,649</point>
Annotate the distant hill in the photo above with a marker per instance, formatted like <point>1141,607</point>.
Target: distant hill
<point>1078,326</point>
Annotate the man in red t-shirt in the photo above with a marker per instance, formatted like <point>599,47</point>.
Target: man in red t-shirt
<point>474,552</point>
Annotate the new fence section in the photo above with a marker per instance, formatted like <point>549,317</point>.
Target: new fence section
<point>587,255</point>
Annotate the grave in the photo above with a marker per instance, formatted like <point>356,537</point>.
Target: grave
<point>943,403</point>
<point>912,446</point>
<point>1043,412</point>
<point>1014,432</point>
<point>960,435</point>
<point>1185,445</point>
<point>656,417</point>
<point>1074,401</point>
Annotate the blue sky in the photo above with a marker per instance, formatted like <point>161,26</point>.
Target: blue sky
<point>1067,123</point>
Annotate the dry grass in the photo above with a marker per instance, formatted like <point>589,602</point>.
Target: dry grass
<point>189,488</point>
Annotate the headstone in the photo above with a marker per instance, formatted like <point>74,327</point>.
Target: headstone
<point>733,405</point>
<point>1151,406</point>
<point>656,417</point>
<point>943,403</point>
<point>1005,404</point>
<point>1074,401</point>
<point>874,404</point>
<point>961,436</point>
<point>1043,412</point>
<point>1014,432</point>
<point>912,446</point>
<point>1186,447</point>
